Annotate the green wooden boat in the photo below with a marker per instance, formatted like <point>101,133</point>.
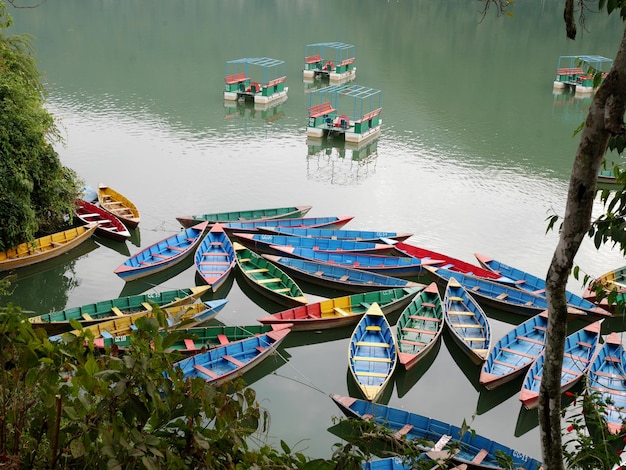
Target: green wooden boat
<point>90,314</point>
<point>249,215</point>
<point>268,279</point>
<point>199,338</point>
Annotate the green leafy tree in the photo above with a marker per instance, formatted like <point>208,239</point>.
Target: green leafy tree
<point>36,190</point>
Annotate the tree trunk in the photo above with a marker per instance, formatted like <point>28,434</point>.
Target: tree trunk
<point>605,118</point>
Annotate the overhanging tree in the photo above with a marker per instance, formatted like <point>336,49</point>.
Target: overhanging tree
<point>36,190</point>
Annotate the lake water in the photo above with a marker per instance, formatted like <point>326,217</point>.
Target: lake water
<point>475,153</point>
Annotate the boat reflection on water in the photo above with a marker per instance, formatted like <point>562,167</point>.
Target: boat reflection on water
<point>469,369</point>
<point>268,366</point>
<point>250,111</point>
<point>262,301</point>
<point>306,338</point>
<point>406,379</point>
<point>135,236</point>
<point>339,162</point>
<point>120,246</point>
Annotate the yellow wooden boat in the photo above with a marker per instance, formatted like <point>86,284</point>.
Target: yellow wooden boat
<point>118,205</point>
<point>45,248</point>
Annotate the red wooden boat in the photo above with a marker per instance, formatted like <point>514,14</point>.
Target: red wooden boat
<point>108,224</point>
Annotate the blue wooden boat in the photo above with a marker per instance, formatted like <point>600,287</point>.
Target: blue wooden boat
<point>467,322</point>
<point>267,279</point>
<point>162,255</point>
<point>419,326</point>
<point>224,363</point>
<point>246,215</point>
<point>372,353</point>
<point>341,311</point>
<point>303,222</point>
<point>607,376</point>
<point>281,244</point>
<point>534,284</point>
<point>580,349</point>
<point>339,234</point>
<point>396,463</point>
<point>215,257</point>
<point>337,277</point>
<point>506,297</point>
<point>511,356</point>
<point>396,266</point>
<point>474,450</point>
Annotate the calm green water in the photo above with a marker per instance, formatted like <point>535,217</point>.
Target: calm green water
<point>475,152</point>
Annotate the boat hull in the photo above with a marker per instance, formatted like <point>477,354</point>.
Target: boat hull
<point>248,215</point>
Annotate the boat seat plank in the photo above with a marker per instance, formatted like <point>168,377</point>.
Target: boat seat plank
<point>371,359</point>
<point>480,456</point>
<point>234,360</point>
<point>417,330</point>
<point>282,290</point>
<point>203,370</point>
<point>106,334</point>
<point>584,344</point>
<point>455,299</point>
<point>465,325</point>
<point>160,256</point>
<point>518,353</point>
<point>223,339</point>
<point>214,263</point>
<point>87,317</point>
<point>175,248</point>
<point>373,328</point>
<point>268,281</point>
<point>146,305</point>
<point>261,349</point>
<point>612,359</point>
<point>474,338</point>
<point>420,317</point>
<point>372,344</point>
<point>428,304</point>
<point>213,253</point>
<point>258,270</point>
<point>610,375</point>
<point>576,358</point>
<point>404,430</point>
<point>505,364</point>
<point>412,343</point>
<point>90,215</point>
<point>540,328</point>
<point>461,312</point>
<point>370,374</point>
<point>502,296</point>
<point>189,344</point>
<point>341,311</point>
<point>344,278</point>
<point>530,340</point>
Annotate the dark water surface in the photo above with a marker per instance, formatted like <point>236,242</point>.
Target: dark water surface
<point>474,154</point>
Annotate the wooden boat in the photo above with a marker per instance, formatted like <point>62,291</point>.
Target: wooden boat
<point>580,349</point>
<point>339,234</point>
<point>304,222</point>
<point>613,280</point>
<point>396,266</point>
<point>108,225</point>
<point>468,448</point>
<point>341,311</point>
<point>247,215</point>
<point>215,257</point>
<point>226,362</point>
<point>533,284</point>
<point>506,297</point>
<point>45,248</point>
<point>337,277</point>
<point>372,353</point>
<point>197,312</point>
<point>90,314</point>
<point>396,463</point>
<point>419,326</point>
<point>267,279</point>
<point>511,356</point>
<point>118,205</point>
<point>162,255</point>
<point>607,376</point>
<point>198,339</point>
<point>449,263</point>
<point>467,322</point>
<point>265,243</point>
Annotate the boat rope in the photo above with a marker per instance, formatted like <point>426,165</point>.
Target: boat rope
<point>310,384</point>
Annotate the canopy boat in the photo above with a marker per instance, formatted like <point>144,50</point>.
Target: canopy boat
<point>264,243</point>
<point>197,312</point>
<point>513,354</point>
<point>506,297</point>
<point>118,205</point>
<point>607,376</point>
<point>580,349</point>
<point>309,222</point>
<point>162,255</point>
<point>372,353</point>
<point>45,248</point>
<point>224,363</point>
<point>533,284</point>
<point>339,234</point>
<point>267,279</point>
<point>419,326</point>
<point>468,448</point>
<point>337,277</point>
<point>198,339</point>
<point>215,257</point>
<point>108,225</point>
<point>245,216</point>
<point>341,311</point>
<point>467,322</point>
<point>397,266</point>
<point>447,262</point>
<point>90,314</point>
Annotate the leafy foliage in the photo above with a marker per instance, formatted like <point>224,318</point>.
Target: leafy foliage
<point>36,190</point>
